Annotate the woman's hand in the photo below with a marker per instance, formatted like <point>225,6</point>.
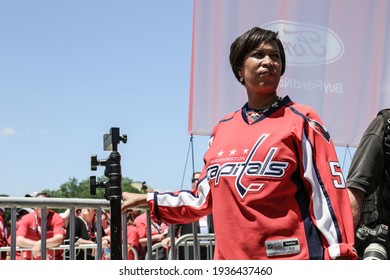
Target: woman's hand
<point>133,200</point>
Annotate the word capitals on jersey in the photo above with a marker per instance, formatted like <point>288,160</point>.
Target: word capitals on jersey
<point>240,169</point>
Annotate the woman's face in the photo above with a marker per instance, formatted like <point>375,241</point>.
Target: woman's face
<point>88,214</point>
<point>262,68</point>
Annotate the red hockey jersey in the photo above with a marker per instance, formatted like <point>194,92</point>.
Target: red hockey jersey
<point>274,186</point>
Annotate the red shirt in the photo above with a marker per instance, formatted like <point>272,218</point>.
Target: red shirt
<point>2,236</point>
<point>132,238</point>
<point>157,228</point>
<point>29,226</point>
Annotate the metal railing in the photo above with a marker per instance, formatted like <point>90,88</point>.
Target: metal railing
<point>64,249</point>
<point>186,242</point>
<point>55,203</point>
<point>205,243</point>
<point>192,240</point>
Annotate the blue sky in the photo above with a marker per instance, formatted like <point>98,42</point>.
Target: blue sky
<point>71,70</point>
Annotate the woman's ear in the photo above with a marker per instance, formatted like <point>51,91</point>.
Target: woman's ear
<point>241,76</point>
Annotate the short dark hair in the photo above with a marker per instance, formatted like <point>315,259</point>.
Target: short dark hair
<point>250,40</point>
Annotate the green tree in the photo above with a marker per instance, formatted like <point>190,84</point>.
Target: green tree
<point>75,189</point>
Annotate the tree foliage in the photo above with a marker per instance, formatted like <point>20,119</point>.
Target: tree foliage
<point>75,189</point>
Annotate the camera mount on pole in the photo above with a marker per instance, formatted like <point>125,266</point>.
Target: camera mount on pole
<point>113,187</point>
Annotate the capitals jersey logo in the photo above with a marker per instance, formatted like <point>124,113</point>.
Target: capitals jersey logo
<point>320,129</point>
<point>248,173</point>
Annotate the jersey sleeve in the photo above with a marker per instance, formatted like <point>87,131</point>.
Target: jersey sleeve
<point>329,201</point>
<point>181,207</point>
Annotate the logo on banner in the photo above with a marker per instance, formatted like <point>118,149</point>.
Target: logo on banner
<point>307,44</point>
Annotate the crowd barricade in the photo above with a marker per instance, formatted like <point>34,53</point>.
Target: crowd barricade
<point>63,249</point>
<point>158,253</point>
<point>44,203</point>
<point>14,203</point>
<point>186,241</point>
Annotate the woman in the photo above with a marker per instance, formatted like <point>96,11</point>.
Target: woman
<point>271,179</point>
<point>85,233</point>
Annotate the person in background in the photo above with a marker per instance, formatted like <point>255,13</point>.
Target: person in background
<point>106,239</point>
<point>65,216</point>
<point>271,179</point>
<point>159,231</point>
<point>133,236</point>
<point>85,233</point>
<point>28,233</point>
<point>3,237</point>
<point>21,212</point>
<point>368,183</point>
<point>106,221</point>
<point>33,194</point>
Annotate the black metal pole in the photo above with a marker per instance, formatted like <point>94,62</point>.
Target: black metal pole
<point>114,195</point>
<point>113,187</point>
